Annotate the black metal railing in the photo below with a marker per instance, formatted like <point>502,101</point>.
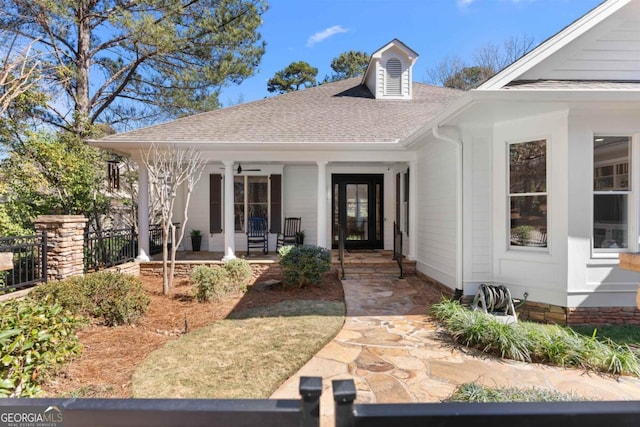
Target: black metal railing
<point>155,238</point>
<point>341,239</point>
<point>548,414</point>
<point>303,412</point>
<point>108,248</point>
<point>24,262</point>
<point>397,247</point>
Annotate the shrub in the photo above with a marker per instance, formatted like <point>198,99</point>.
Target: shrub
<point>240,273</point>
<point>111,298</point>
<point>213,283</point>
<point>35,337</point>
<point>304,264</point>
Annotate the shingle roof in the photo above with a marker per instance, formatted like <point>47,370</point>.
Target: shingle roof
<point>573,85</point>
<point>343,111</point>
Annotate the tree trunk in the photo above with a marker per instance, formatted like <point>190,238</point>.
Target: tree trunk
<point>165,256</point>
<point>83,63</point>
<point>173,253</point>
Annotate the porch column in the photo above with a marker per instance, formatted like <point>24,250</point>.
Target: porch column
<point>229,226</point>
<point>322,204</point>
<point>413,209</point>
<point>143,213</point>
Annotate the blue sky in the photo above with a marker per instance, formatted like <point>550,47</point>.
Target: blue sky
<point>316,31</point>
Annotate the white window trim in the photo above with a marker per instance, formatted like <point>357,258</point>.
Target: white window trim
<point>547,249</point>
<point>633,204</point>
<point>246,199</point>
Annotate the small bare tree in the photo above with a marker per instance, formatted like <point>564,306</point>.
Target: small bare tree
<point>168,169</point>
<point>19,73</point>
<point>488,60</point>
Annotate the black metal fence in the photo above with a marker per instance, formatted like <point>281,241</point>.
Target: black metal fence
<point>303,412</point>
<point>155,238</point>
<point>107,248</point>
<point>26,262</point>
<point>548,414</point>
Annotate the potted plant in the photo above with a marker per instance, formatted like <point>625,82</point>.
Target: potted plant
<point>196,240</point>
<point>300,238</point>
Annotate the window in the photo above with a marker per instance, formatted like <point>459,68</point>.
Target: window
<point>528,194</point>
<point>113,174</point>
<point>393,83</point>
<point>611,190</point>
<point>250,199</point>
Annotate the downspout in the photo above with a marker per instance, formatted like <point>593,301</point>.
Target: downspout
<point>459,200</point>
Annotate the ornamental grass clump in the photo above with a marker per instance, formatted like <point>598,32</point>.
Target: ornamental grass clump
<point>533,342</point>
<point>475,393</point>
<point>35,338</point>
<point>302,265</point>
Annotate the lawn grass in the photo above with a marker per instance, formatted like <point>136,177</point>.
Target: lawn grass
<point>534,342</point>
<point>247,356</point>
<point>620,334</point>
<point>475,393</point>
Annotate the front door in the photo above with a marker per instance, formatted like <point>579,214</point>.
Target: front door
<point>357,207</point>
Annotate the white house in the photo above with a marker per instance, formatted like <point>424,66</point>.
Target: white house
<point>531,181</point>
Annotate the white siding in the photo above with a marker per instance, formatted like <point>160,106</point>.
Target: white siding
<point>478,210</point>
<point>541,273</point>
<point>609,51</point>
<point>595,279</point>
<point>299,198</point>
<point>199,210</point>
<point>436,212</point>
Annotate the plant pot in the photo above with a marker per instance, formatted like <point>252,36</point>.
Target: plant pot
<point>299,240</point>
<point>196,241</point>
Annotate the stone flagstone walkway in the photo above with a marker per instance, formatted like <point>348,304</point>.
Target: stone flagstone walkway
<point>392,351</point>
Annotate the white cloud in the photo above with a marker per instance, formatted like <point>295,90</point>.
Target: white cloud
<point>464,3</point>
<point>325,34</point>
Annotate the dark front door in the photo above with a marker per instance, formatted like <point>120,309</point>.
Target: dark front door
<point>357,207</point>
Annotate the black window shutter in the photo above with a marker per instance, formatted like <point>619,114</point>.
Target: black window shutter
<point>215,203</point>
<point>276,203</point>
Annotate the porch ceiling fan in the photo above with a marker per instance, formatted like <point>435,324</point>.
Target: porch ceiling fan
<point>240,169</point>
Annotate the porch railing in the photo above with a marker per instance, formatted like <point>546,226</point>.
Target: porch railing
<point>548,414</point>
<point>26,262</point>
<point>397,247</point>
<point>341,239</point>
<point>108,248</point>
<point>303,412</point>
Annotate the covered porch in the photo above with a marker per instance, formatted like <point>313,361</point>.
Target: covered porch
<point>365,196</point>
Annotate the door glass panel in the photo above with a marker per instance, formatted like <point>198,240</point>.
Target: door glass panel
<point>336,212</point>
<point>378,213</point>
<point>357,227</point>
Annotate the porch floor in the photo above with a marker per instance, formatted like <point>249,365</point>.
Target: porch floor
<point>377,256</point>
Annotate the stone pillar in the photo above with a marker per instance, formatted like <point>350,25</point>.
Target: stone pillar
<point>65,244</point>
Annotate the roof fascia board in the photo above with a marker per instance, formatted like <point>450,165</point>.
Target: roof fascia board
<point>554,44</point>
<point>254,146</point>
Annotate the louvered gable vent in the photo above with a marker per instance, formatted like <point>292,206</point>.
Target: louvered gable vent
<point>393,82</point>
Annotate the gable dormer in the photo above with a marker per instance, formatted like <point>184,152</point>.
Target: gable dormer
<point>389,74</point>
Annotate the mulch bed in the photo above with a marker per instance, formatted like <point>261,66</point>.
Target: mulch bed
<point>111,354</point>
